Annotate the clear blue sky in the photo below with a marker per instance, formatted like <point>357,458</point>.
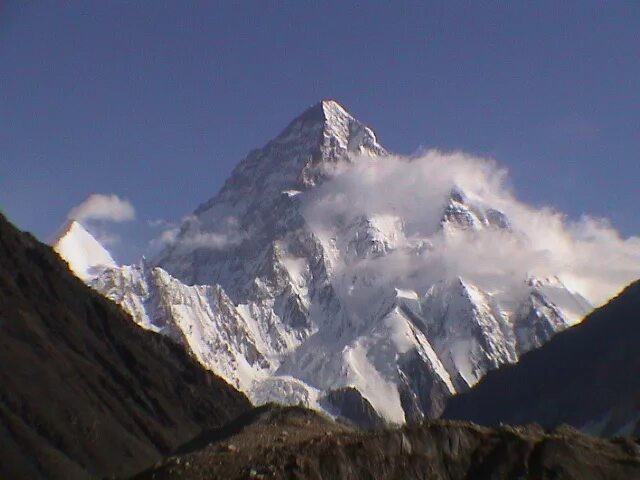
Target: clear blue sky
<point>156,101</point>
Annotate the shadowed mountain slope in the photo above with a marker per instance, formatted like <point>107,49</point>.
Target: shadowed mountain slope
<point>84,391</point>
<point>587,376</point>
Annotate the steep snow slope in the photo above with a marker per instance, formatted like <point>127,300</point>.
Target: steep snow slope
<point>201,317</point>
<point>290,305</point>
<point>82,252</point>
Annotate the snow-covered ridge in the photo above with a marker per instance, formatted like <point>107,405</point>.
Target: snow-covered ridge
<point>291,308</point>
<point>84,254</point>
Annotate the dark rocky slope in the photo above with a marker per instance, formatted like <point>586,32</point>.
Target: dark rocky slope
<point>83,391</point>
<point>587,376</point>
<point>293,443</point>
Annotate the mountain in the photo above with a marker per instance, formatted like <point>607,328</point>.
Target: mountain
<point>293,301</point>
<point>84,254</point>
<point>586,376</point>
<point>291,443</point>
<point>84,392</point>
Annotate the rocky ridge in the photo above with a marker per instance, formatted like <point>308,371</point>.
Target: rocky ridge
<point>292,443</point>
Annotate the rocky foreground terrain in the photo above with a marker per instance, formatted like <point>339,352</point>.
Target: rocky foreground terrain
<point>273,442</point>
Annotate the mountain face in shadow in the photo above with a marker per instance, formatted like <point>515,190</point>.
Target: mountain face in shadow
<point>587,376</point>
<point>84,391</point>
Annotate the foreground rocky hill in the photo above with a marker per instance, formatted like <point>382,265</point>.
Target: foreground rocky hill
<point>84,391</point>
<point>586,376</point>
<point>293,443</point>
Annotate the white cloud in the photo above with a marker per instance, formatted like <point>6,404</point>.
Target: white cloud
<point>107,239</point>
<point>227,233</point>
<point>215,241</point>
<point>169,236</point>
<point>106,207</point>
<point>588,254</point>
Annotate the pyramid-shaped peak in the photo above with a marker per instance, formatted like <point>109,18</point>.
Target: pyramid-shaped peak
<point>71,227</point>
<point>328,123</point>
<point>331,103</point>
<point>84,254</point>
<point>325,111</point>
<point>332,107</point>
<point>324,134</point>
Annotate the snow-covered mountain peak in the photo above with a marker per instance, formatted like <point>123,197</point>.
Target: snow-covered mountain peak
<point>291,292</point>
<point>337,126</point>
<point>259,202</point>
<point>298,157</point>
<point>321,112</point>
<point>85,255</point>
<point>329,104</point>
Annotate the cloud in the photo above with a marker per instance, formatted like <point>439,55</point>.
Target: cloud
<point>107,239</point>
<point>587,254</point>
<point>226,233</point>
<point>106,207</point>
<point>214,241</point>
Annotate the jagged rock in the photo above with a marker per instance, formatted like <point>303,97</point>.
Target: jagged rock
<point>348,403</point>
<point>320,449</point>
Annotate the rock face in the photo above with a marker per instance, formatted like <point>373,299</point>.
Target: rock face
<point>348,403</point>
<point>288,310</point>
<point>586,376</point>
<point>84,392</point>
<point>294,443</point>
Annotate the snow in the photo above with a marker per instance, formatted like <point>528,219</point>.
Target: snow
<point>381,393</point>
<point>406,294</point>
<point>288,310</point>
<point>82,252</point>
<point>399,331</point>
<point>461,352</point>
<point>573,305</point>
<point>298,271</point>
<point>286,390</point>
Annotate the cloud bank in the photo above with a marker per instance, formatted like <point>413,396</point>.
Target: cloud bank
<point>105,207</point>
<point>587,254</point>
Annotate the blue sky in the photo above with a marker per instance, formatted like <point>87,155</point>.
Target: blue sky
<point>156,101</point>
